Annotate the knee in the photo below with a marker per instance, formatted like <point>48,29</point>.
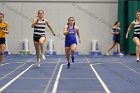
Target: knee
<point>73,49</point>
<point>67,51</point>
<point>137,45</point>
<point>41,42</point>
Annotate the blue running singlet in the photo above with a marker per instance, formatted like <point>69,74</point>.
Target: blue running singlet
<point>70,37</point>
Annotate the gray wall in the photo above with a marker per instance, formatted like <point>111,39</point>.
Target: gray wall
<point>94,18</point>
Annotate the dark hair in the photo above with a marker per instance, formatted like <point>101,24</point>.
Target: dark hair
<point>138,11</point>
<point>116,22</point>
<point>69,19</point>
<point>2,14</point>
<point>40,10</point>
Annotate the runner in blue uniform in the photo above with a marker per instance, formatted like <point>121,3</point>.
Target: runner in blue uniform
<point>70,31</point>
<point>116,38</point>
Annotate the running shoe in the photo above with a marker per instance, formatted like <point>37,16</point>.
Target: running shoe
<point>38,63</point>
<point>43,57</point>
<point>72,59</point>
<point>68,65</point>
<point>107,54</point>
<point>120,54</point>
<point>137,61</point>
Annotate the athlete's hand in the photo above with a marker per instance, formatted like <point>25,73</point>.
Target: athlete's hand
<point>54,34</point>
<point>67,32</point>
<point>5,31</point>
<point>126,36</point>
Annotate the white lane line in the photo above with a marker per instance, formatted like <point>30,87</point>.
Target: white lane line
<point>130,68</point>
<point>78,78</point>
<point>99,78</point>
<point>15,69</point>
<point>101,81</point>
<point>25,91</point>
<point>49,82</point>
<point>11,63</point>
<point>27,78</point>
<point>106,63</point>
<point>37,78</point>
<point>57,79</point>
<point>5,64</point>
<point>14,79</point>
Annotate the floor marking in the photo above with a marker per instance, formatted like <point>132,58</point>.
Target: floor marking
<point>49,82</point>
<point>57,79</point>
<point>79,78</point>
<point>15,69</point>
<point>5,64</point>
<point>34,78</point>
<point>101,81</point>
<point>130,69</point>
<point>82,91</point>
<point>24,78</point>
<point>99,78</point>
<point>24,91</point>
<point>14,79</point>
<point>11,63</point>
<point>106,63</point>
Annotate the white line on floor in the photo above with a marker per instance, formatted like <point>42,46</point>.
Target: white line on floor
<point>49,82</point>
<point>15,69</point>
<point>99,78</point>
<point>12,63</point>
<point>101,81</point>
<point>14,79</point>
<point>57,79</point>
<point>79,78</point>
<point>130,68</point>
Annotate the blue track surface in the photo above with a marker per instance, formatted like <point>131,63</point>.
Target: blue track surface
<point>90,74</point>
